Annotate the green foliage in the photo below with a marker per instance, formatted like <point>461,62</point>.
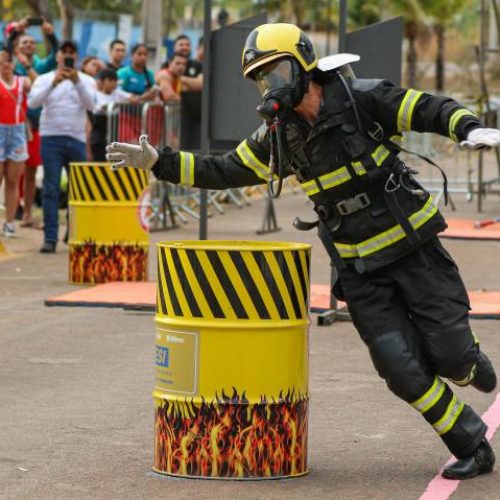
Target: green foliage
<point>363,12</point>
<point>444,11</point>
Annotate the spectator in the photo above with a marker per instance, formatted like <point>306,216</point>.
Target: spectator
<point>137,78</point>
<point>13,147</point>
<point>28,63</point>
<point>169,78</point>
<point>91,65</point>
<point>117,54</point>
<point>107,83</point>
<point>65,94</point>
<point>182,45</point>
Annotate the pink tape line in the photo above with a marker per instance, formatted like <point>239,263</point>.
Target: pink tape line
<point>440,488</point>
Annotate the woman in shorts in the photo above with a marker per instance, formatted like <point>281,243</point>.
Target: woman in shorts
<point>13,144</point>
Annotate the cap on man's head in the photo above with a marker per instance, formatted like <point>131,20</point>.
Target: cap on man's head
<point>68,44</point>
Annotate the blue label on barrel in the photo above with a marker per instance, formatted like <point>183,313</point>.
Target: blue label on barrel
<point>162,357</point>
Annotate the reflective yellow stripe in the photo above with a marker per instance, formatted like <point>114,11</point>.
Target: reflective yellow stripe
<point>397,139</point>
<point>346,251</point>
<point>327,181</point>
<point>358,168</point>
<point>476,338</point>
<point>187,169</point>
<point>431,397</point>
<point>447,421</point>
<point>455,118</point>
<point>379,156</point>
<point>467,380</point>
<point>405,113</point>
<point>249,159</point>
<point>389,237</point>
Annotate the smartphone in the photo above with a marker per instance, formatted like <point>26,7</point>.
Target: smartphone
<point>35,21</point>
<point>69,62</point>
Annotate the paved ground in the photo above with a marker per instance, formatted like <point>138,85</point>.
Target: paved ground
<point>76,413</point>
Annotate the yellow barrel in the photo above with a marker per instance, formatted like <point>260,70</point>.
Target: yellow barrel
<point>108,226</point>
<point>231,390</point>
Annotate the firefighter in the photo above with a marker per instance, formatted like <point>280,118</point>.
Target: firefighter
<point>339,136</point>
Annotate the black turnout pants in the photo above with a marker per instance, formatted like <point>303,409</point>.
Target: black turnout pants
<point>413,316</point>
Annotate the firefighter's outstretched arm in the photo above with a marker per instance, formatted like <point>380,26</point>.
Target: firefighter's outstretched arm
<point>245,166</point>
<point>409,109</point>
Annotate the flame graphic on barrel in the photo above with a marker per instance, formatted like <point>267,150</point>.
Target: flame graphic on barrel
<point>92,263</point>
<point>231,438</point>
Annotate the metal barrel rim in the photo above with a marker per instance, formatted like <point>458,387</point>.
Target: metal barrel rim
<point>235,245</point>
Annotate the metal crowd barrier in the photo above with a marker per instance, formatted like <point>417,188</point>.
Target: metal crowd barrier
<point>169,203</point>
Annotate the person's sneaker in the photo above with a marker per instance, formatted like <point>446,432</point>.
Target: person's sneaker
<point>48,247</point>
<point>9,231</point>
<point>480,461</point>
<point>485,379</point>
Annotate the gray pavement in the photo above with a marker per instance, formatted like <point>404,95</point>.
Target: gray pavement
<point>76,412</point>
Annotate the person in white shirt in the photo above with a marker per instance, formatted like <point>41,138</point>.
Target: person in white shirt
<point>65,96</point>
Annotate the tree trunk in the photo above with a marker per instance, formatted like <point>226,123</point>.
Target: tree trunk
<point>40,8</point>
<point>440,57</point>
<point>67,14</point>
<point>411,59</point>
<point>168,21</point>
<point>411,33</point>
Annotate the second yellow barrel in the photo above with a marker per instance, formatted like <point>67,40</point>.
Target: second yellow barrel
<point>231,392</point>
<point>108,238</point>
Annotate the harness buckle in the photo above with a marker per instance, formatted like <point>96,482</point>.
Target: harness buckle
<point>354,204</point>
<point>377,134</point>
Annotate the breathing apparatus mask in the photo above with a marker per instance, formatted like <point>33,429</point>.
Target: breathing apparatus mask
<point>282,84</point>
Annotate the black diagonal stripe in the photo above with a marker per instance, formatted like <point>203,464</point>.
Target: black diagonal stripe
<point>210,297</point>
<point>89,189</point>
<point>226,284</point>
<point>271,284</point>
<point>140,180</point>
<point>71,186</point>
<point>98,184</point>
<point>302,278</point>
<point>76,182</point>
<point>145,179</point>
<point>161,293</point>
<point>250,285</point>
<point>186,287</point>
<point>170,285</point>
<point>282,263</point>
<point>131,180</point>
<point>308,264</point>
<point>124,189</point>
<point>109,183</point>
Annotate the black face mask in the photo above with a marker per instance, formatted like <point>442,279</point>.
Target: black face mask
<point>282,84</point>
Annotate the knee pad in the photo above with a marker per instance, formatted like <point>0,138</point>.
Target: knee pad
<point>394,361</point>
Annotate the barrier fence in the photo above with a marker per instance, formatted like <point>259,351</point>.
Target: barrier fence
<point>162,123</point>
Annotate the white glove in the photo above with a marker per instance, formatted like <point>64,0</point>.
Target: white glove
<point>482,138</point>
<point>121,154</point>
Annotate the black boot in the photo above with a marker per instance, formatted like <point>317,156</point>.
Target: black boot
<point>485,379</point>
<point>48,247</point>
<point>480,461</point>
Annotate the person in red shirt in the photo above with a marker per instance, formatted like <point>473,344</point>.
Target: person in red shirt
<point>13,143</point>
<point>169,78</point>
